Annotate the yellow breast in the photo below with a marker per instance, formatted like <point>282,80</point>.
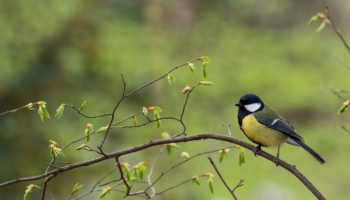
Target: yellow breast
<point>260,133</point>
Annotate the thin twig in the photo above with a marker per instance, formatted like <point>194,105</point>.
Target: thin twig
<point>222,179</point>
<point>86,116</point>
<point>112,116</point>
<point>15,110</point>
<point>45,186</point>
<point>342,63</point>
<point>98,182</point>
<point>228,129</point>
<point>128,187</point>
<point>343,127</point>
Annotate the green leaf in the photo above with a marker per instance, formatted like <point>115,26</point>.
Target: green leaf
<point>207,59</point>
<point>168,148</point>
<point>206,83</point>
<point>144,110</point>
<point>127,173</point>
<point>141,175</point>
<point>157,117</point>
<point>313,19</point>
<point>134,119</point>
<point>52,153</point>
<point>211,186</point>
<point>191,67</point>
<point>102,129</point>
<point>241,159</point>
<point>171,78</point>
<point>196,181</point>
<point>28,191</point>
<point>158,109</point>
<point>89,128</point>
<point>344,107</point>
<point>204,69</point>
<point>80,147</point>
<point>105,192</point>
<point>42,110</point>
<point>77,187</point>
<point>57,151</point>
<point>141,167</point>
<point>133,178</point>
<point>60,110</point>
<point>82,105</point>
<point>221,157</point>
<point>322,25</point>
<point>165,135</point>
<point>184,154</point>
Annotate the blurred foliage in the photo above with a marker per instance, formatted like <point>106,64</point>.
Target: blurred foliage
<point>72,51</point>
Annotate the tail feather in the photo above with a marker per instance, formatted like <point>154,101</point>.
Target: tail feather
<point>311,151</point>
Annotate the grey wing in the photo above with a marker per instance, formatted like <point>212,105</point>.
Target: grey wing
<point>279,124</point>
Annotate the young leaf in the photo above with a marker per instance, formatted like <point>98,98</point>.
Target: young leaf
<point>105,192</point>
<point>211,186</point>
<point>191,67</point>
<point>29,190</point>
<point>196,181</point>
<point>313,19</point>
<point>207,59</point>
<point>77,187</point>
<point>134,119</point>
<point>166,135</point>
<point>42,110</point>
<point>171,78</point>
<point>241,159</point>
<point>144,110</point>
<point>82,105</point>
<point>102,129</point>
<point>168,149</point>
<point>184,154</point>
<point>322,25</point>
<point>204,69</point>
<point>60,110</point>
<point>88,130</point>
<point>344,107</point>
<point>206,83</point>
<point>221,157</point>
<point>80,147</point>
<point>158,109</point>
<point>141,175</point>
<point>157,117</point>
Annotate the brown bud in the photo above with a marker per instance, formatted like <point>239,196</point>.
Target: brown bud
<point>186,89</point>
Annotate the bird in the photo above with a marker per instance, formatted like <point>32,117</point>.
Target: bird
<point>265,127</point>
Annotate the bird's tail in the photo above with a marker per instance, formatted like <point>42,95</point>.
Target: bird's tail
<point>311,151</point>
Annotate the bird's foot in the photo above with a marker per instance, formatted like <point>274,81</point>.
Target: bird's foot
<point>256,149</point>
<point>276,160</point>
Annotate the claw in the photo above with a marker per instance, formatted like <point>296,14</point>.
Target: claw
<point>277,158</point>
<point>256,149</point>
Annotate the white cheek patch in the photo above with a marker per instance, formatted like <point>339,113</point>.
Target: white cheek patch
<point>253,107</point>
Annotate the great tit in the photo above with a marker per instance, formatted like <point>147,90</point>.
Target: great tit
<point>265,127</point>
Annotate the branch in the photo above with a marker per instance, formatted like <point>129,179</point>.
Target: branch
<point>200,136</point>
<point>15,110</point>
<point>222,179</point>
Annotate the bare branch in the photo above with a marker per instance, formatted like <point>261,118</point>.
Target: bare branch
<point>15,110</point>
<point>222,179</point>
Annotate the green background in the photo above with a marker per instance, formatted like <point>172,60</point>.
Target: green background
<point>72,51</point>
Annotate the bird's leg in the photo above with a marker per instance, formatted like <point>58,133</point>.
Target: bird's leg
<point>256,149</point>
<point>277,158</point>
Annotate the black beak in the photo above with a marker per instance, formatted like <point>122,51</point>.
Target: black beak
<point>238,104</point>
